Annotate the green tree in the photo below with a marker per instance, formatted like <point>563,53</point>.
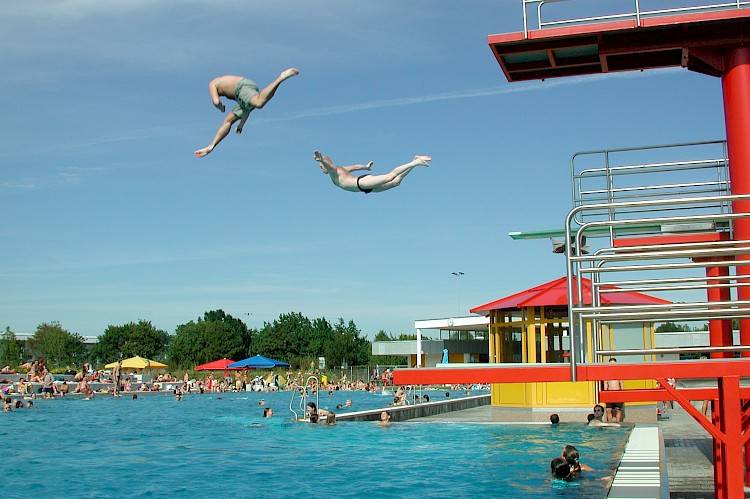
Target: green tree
<point>288,338</point>
<point>11,352</point>
<point>298,340</point>
<point>217,335</point>
<point>134,338</point>
<point>235,324</point>
<point>59,347</point>
<point>671,327</point>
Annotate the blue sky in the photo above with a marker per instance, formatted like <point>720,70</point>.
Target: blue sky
<point>108,218</point>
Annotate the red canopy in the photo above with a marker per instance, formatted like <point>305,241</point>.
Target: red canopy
<point>555,293</point>
<point>216,365</point>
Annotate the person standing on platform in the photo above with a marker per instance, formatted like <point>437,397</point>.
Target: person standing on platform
<point>615,410</point>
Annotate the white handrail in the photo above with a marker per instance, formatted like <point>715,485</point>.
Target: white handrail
<point>636,15</point>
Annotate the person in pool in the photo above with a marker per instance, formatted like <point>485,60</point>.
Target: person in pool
<point>385,418</point>
<point>561,469</point>
<point>342,176</point>
<point>596,421</point>
<point>314,414</point>
<point>247,96</point>
<point>571,456</point>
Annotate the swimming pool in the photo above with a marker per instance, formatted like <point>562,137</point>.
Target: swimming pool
<point>218,445</point>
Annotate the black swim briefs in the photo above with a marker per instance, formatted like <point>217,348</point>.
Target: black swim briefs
<point>366,191</point>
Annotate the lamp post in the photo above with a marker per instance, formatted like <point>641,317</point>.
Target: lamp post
<point>458,275</point>
<point>248,315</point>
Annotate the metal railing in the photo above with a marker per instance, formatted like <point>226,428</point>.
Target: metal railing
<point>634,261</point>
<point>637,14</point>
<point>614,175</point>
<point>302,392</point>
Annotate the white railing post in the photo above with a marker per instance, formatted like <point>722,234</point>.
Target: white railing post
<point>525,20</point>
<point>638,13</point>
<point>419,348</point>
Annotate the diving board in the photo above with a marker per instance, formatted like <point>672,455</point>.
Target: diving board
<point>639,474</point>
<point>630,230</point>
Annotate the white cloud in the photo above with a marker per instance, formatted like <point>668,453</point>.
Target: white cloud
<point>462,94</point>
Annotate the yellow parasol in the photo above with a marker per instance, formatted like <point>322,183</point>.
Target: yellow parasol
<point>138,363</point>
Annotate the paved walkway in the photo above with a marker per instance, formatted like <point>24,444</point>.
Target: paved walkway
<point>689,452</point>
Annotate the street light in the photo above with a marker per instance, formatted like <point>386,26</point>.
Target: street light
<point>458,275</point>
<point>248,315</point>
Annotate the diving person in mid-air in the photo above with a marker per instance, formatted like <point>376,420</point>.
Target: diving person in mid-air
<point>342,177</point>
<point>245,92</point>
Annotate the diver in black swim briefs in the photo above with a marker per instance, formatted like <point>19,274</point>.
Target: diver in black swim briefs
<point>342,177</point>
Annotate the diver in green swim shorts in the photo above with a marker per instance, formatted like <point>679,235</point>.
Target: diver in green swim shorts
<point>245,92</point>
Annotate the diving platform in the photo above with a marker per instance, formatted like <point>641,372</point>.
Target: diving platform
<point>689,38</point>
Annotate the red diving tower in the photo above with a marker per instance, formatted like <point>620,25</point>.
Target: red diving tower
<point>682,232</point>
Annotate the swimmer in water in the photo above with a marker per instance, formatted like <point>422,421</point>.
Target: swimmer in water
<point>385,418</point>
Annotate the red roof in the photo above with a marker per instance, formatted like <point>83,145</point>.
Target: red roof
<point>555,293</point>
<point>216,365</point>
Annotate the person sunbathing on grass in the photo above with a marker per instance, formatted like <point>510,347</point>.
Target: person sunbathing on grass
<point>342,175</point>
<point>245,92</point>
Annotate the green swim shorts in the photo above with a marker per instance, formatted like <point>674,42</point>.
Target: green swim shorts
<point>242,94</point>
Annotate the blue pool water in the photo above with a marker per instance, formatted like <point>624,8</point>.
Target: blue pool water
<point>206,446</point>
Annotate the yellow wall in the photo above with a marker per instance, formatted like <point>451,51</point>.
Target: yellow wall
<point>534,326</point>
<point>566,394</point>
<point>455,358</point>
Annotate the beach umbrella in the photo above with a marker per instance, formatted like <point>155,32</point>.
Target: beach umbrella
<point>137,363</point>
<point>215,365</point>
<point>258,362</point>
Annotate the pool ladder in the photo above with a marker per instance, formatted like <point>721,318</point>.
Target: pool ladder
<point>302,391</point>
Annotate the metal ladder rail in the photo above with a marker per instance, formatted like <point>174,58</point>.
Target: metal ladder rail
<point>317,389</point>
<point>683,250</point>
<point>705,310</point>
<point>302,390</point>
<point>574,262</point>
<point>608,174</point>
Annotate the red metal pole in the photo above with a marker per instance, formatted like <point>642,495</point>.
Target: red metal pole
<point>718,459</point>
<point>731,414</point>
<point>736,88</point>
